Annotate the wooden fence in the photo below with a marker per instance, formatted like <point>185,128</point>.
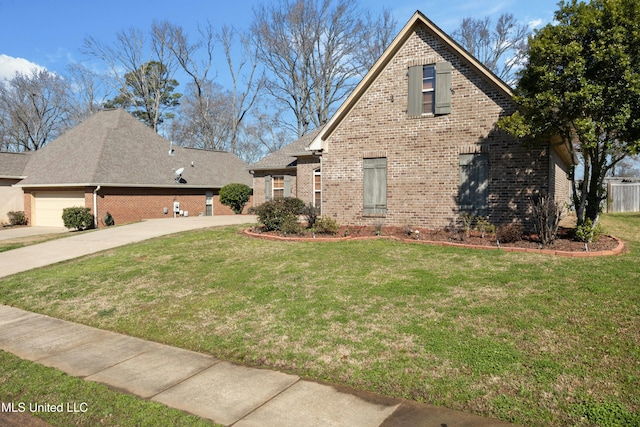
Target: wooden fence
<point>623,197</point>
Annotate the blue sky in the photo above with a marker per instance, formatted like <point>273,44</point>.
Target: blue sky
<point>50,33</point>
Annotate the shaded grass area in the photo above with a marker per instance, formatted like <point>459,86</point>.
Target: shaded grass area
<point>532,339</point>
<point>29,384</point>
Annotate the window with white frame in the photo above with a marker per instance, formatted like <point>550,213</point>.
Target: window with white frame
<point>277,185</point>
<point>429,89</point>
<point>317,188</point>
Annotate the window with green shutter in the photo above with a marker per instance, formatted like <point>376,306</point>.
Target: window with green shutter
<point>375,186</point>
<point>474,183</point>
<point>429,89</point>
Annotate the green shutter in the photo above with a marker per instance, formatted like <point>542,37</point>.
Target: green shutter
<point>414,107</point>
<point>267,188</point>
<point>443,88</point>
<point>287,186</point>
<point>375,186</point>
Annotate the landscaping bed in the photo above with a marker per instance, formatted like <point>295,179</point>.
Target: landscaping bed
<point>565,242</point>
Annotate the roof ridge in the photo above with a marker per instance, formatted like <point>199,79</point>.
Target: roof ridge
<point>102,149</point>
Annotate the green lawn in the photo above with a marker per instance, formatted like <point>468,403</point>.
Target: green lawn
<point>26,383</point>
<point>533,339</point>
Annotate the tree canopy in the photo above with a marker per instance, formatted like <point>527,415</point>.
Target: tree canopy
<point>582,84</point>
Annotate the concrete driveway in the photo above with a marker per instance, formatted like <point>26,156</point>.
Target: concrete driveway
<point>76,245</point>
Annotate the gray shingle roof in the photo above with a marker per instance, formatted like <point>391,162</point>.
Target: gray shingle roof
<point>115,149</point>
<point>285,157</point>
<point>12,165</point>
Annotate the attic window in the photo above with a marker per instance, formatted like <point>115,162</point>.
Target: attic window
<point>429,89</point>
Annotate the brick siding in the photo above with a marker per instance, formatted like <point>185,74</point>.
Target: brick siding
<point>423,153</point>
<point>129,204</point>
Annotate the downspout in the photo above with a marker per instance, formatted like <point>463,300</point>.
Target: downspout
<point>95,206</point>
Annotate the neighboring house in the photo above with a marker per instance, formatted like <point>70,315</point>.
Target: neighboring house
<point>114,163</point>
<point>11,172</point>
<point>292,171</point>
<point>416,144</point>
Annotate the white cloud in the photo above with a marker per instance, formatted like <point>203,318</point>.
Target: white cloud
<point>10,65</point>
<point>535,23</point>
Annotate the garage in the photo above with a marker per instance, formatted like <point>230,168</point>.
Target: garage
<point>49,206</point>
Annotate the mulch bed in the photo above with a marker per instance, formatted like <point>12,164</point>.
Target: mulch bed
<point>565,244</point>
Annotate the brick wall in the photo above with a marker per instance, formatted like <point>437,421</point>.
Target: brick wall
<point>304,179</point>
<point>134,204</point>
<point>423,153</point>
<point>129,204</point>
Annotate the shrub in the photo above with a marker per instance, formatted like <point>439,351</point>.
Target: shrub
<point>293,205</point>
<point>587,232</point>
<point>484,226</point>
<point>509,233</point>
<point>274,213</point>
<point>17,218</point>
<point>546,216</point>
<point>235,196</point>
<point>77,217</point>
<point>326,225</point>
<point>467,223</point>
<point>290,225</point>
<point>310,213</point>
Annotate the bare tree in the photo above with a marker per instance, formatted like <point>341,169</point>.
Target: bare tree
<point>128,61</point>
<point>268,128</point>
<point>628,167</point>
<point>378,33</point>
<point>89,92</point>
<point>246,85</point>
<point>34,110</point>
<point>205,120</point>
<point>309,49</point>
<point>502,49</point>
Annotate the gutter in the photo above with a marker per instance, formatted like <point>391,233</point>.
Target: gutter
<point>95,206</point>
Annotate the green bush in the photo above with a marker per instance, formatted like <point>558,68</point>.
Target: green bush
<point>274,213</point>
<point>326,225</point>
<point>77,217</point>
<point>587,232</point>
<point>235,196</point>
<point>17,218</point>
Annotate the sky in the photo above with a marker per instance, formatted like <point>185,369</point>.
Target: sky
<point>48,34</point>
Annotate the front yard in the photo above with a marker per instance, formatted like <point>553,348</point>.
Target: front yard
<point>533,339</point>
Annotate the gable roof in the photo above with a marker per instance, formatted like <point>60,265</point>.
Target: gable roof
<point>12,165</point>
<point>418,19</point>
<point>286,157</point>
<point>112,148</point>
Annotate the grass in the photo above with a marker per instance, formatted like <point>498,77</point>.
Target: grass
<point>26,383</point>
<point>532,339</point>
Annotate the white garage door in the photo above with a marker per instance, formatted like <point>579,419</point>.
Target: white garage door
<point>49,207</point>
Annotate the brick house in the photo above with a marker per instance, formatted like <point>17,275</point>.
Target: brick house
<point>114,163</point>
<point>416,143</point>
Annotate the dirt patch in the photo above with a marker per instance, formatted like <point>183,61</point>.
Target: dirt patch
<point>565,244</point>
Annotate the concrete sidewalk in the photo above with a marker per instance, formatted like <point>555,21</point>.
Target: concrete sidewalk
<point>76,245</point>
<point>220,391</point>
